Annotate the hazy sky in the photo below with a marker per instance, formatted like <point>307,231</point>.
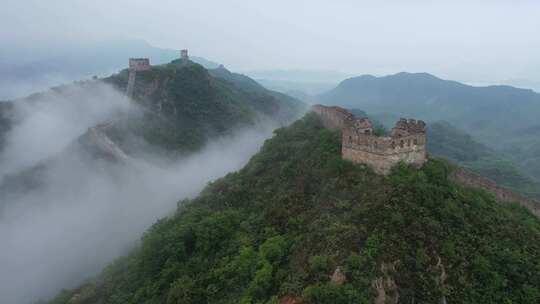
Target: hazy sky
<point>466,40</point>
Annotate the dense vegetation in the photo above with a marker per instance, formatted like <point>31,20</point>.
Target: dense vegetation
<point>284,223</point>
<point>501,117</point>
<point>185,105</point>
<point>446,141</point>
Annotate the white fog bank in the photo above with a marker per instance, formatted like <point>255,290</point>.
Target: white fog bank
<point>88,213</point>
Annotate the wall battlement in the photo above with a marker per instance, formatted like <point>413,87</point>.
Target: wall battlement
<point>407,141</point>
<point>139,64</point>
<point>184,55</point>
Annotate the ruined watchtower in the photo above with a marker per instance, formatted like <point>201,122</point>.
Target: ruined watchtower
<point>139,64</point>
<point>135,65</point>
<point>184,55</point>
<point>407,141</point>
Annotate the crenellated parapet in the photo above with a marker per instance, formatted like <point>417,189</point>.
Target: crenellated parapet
<point>407,141</point>
<point>139,64</point>
<point>406,127</point>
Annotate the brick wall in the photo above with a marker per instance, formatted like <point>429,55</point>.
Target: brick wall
<point>473,180</point>
<point>381,153</point>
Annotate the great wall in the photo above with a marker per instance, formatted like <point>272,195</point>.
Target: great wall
<point>406,143</point>
<point>143,64</point>
<point>473,180</point>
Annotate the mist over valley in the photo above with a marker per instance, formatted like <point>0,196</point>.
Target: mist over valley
<point>269,152</point>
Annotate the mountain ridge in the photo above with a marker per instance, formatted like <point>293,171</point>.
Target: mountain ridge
<point>283,226</point>
<point>179,109</point>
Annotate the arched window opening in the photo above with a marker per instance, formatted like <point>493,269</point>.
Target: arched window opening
<point>401,144</point>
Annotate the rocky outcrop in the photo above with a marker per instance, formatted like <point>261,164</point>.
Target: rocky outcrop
<point>338,277</point>
<point>385,286</point>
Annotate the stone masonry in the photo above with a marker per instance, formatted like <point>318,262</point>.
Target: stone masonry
<point>407,141</point>
<point>139,64</point>
<point>135,65</point>
<point>473,180</point>
<point>184,55</point>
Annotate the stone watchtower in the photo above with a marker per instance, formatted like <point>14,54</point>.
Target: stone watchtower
<point>139,64</point>
<point>407,141</point>
<point>184,55</point>
<point>136,65</point>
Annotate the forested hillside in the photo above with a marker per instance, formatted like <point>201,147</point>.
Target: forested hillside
<point>176,109</point>
<point>185,105</point>
<point>299,224</point>
<point>446,141</point>
<point>84,168</point>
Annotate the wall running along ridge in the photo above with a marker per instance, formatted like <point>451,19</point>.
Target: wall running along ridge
<point>407,143</point>
<point>473,180</point>
<point>135,65</point>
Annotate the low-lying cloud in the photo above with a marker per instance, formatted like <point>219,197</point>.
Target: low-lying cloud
<point>89,212</point>
<point>47,123</point>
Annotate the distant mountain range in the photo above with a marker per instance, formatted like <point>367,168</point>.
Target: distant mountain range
<point>446,141</point>
<point>302,84</point>
<point>299,75</point>
<point>23,72</point>
<point>424,95</point>
<point>503,118</point>
<point>524,83</point>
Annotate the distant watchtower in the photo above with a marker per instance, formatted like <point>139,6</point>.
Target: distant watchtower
<point>184,55</point>
<point>139,64</point>
<point>135,65</point>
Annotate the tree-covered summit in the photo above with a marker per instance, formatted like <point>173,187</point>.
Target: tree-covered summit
<point>278,229</point>
<point>184,106</point>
